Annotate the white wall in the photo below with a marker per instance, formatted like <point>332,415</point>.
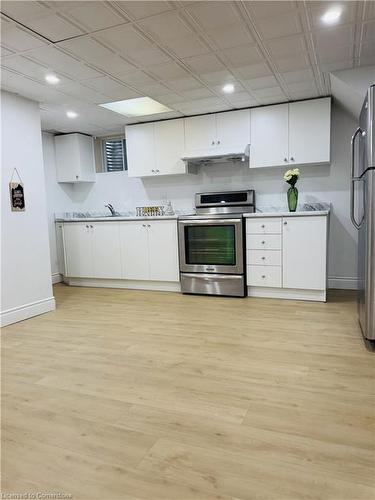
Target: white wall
<point>317,183</point>
<point>26,288</point>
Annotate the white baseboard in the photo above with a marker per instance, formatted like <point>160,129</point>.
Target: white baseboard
<point>286,293</point>
<point>343,283</point>
<point>161,286</point>
<point>56,278</point>
<point>27,311</point>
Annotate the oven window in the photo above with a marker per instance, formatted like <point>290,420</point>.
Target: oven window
<point>215,245</point>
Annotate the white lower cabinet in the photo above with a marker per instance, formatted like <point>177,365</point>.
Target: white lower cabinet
<point>287,256</point>
<point>129,250</point>
<point>304,252</point>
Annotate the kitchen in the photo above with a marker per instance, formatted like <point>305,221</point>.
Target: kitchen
<point>235,189</point>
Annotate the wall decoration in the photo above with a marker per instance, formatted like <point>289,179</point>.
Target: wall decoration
<point>17,193</point>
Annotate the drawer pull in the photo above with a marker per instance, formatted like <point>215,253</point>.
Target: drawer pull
<point>263,226</point>
<point>263,242</point>
<point>263,258</point>
<point>263,275</point>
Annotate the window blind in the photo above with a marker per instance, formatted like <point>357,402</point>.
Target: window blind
<point>114,153</point>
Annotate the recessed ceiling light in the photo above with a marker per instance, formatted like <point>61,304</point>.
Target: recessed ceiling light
<point>71,114</point>
<point>53,79</point>
<point>139,106</point>
<point>228,88</point>
<point>332,15</point>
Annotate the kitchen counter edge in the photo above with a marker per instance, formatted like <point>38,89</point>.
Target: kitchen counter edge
<point>302,213</point>
<point>116,219</point>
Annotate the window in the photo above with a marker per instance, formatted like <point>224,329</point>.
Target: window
<point>114,154</point>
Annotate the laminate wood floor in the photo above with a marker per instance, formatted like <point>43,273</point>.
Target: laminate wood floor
<point>123,394</point>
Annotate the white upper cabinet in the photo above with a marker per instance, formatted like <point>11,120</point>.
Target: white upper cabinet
<point>200,135</point>
<point>74,158</point>
<point>269,136</point>
<point>155,148</point>
<point>292,134</point>
<point>233,131</point>
<point>310,131</point>
<point>169,147</point>
<point>140,149</point>
<point>216,134</point>
<point>304,252</point>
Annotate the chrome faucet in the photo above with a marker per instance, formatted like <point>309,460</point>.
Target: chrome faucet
<point>111,209</point>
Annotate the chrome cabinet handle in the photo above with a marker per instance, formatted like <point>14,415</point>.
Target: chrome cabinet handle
<point>263,242</point>
<point>91,226</point>
<point>263,226</point>
<point>285,223</point>
<point>87,226</point>
<point>263,258</point>
<point>263,276</point>
<point>77,176</point>
<point>148,225</point>
<point>212,143</point>
<point>291,158</point>
<point>286,160</point>
<point>353,180</point>
<point>144,225</point>
<point>157,171</point>
<point>218,142</point>
<point>153,170</point>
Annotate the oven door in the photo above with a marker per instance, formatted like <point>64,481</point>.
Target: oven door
<point>211,246</point>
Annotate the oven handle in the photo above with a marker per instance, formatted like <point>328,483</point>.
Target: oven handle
<point>209,221</point>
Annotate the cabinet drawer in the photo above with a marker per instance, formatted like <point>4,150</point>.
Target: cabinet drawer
<point>264,257</point>
<point>264,226</point>
<point>263,241</point>
<point>264,276</point>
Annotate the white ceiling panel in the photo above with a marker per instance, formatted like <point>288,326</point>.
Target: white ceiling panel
<point>213,14</point>
<point>61,62</point>
<point>140,10</point>
<point>54,27</point>
<point>243,55</point>
<point>180,52</point>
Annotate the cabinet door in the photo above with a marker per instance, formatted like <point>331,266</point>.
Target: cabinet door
<point>78,250</point>
<point>140,149</point>
<point>233,131</point>
<point>163,250</point>
<point>269,136</point>
<point>310,131</point>
<point>134,250</point>
<point>60,256</point>
<point>200,135</point>
<point>304,252</point>
<point>169,147</point>
<point>67,158</point>
<point>106,250</point>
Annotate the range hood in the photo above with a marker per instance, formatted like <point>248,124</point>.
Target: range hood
<point>212,159</point>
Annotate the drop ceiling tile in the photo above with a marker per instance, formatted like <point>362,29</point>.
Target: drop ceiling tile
<point>298,76</point>
<point>182,84</point>
<point>218,77</point>
<point>211,15</point>
<point>29,88</point>
<point>29,68</point>
<point>96,16</point>
<point>143,9</point>
<point>168,70</point>
<point>298,95</point>
<point>262,9</point>
<point>61,62</point>
<point>334,38</point>
<point>243,55</point>
<point>6,52</point>
<point>277,99</point>
<point>287,46</point>
<point>336,66</point>
<point>298,62</point>
<point>188,46</point>
<point>124,39</point>
<point>166,27</point>
<point>136,77</point>
<point>18,39</point>
<point>246,103</point>
<point>201,93</point>
<point>268,92</point>
<point>144,57</point>
<point>23,11</point>
<point>252,71</point>
<point>261,83</point>
<point>240,96</point>
<point>238,87</point>
<point>83,92</point>
<point>154,90</point>
<point>108,86</point>
<point>170,99</point>
<point>278,26</point>
<point>205,63</point>
<point>335,54</point>
<point>368,32</point>
<point>302,87</point>
<point>368,52</point>
<point>54,27</point>
<point>229,36</point>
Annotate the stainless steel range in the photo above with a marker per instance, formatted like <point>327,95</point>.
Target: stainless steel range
<point>211,243</point>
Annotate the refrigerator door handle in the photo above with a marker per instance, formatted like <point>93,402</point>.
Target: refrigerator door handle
<point>353,180</point>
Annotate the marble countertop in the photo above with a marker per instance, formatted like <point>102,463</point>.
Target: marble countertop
<point>116,218</point>
<point>284,213</point>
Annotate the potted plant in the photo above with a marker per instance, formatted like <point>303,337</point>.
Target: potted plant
<point>291,177</point>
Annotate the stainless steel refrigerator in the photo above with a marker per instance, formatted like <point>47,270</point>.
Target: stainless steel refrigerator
<point>362,210</point>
